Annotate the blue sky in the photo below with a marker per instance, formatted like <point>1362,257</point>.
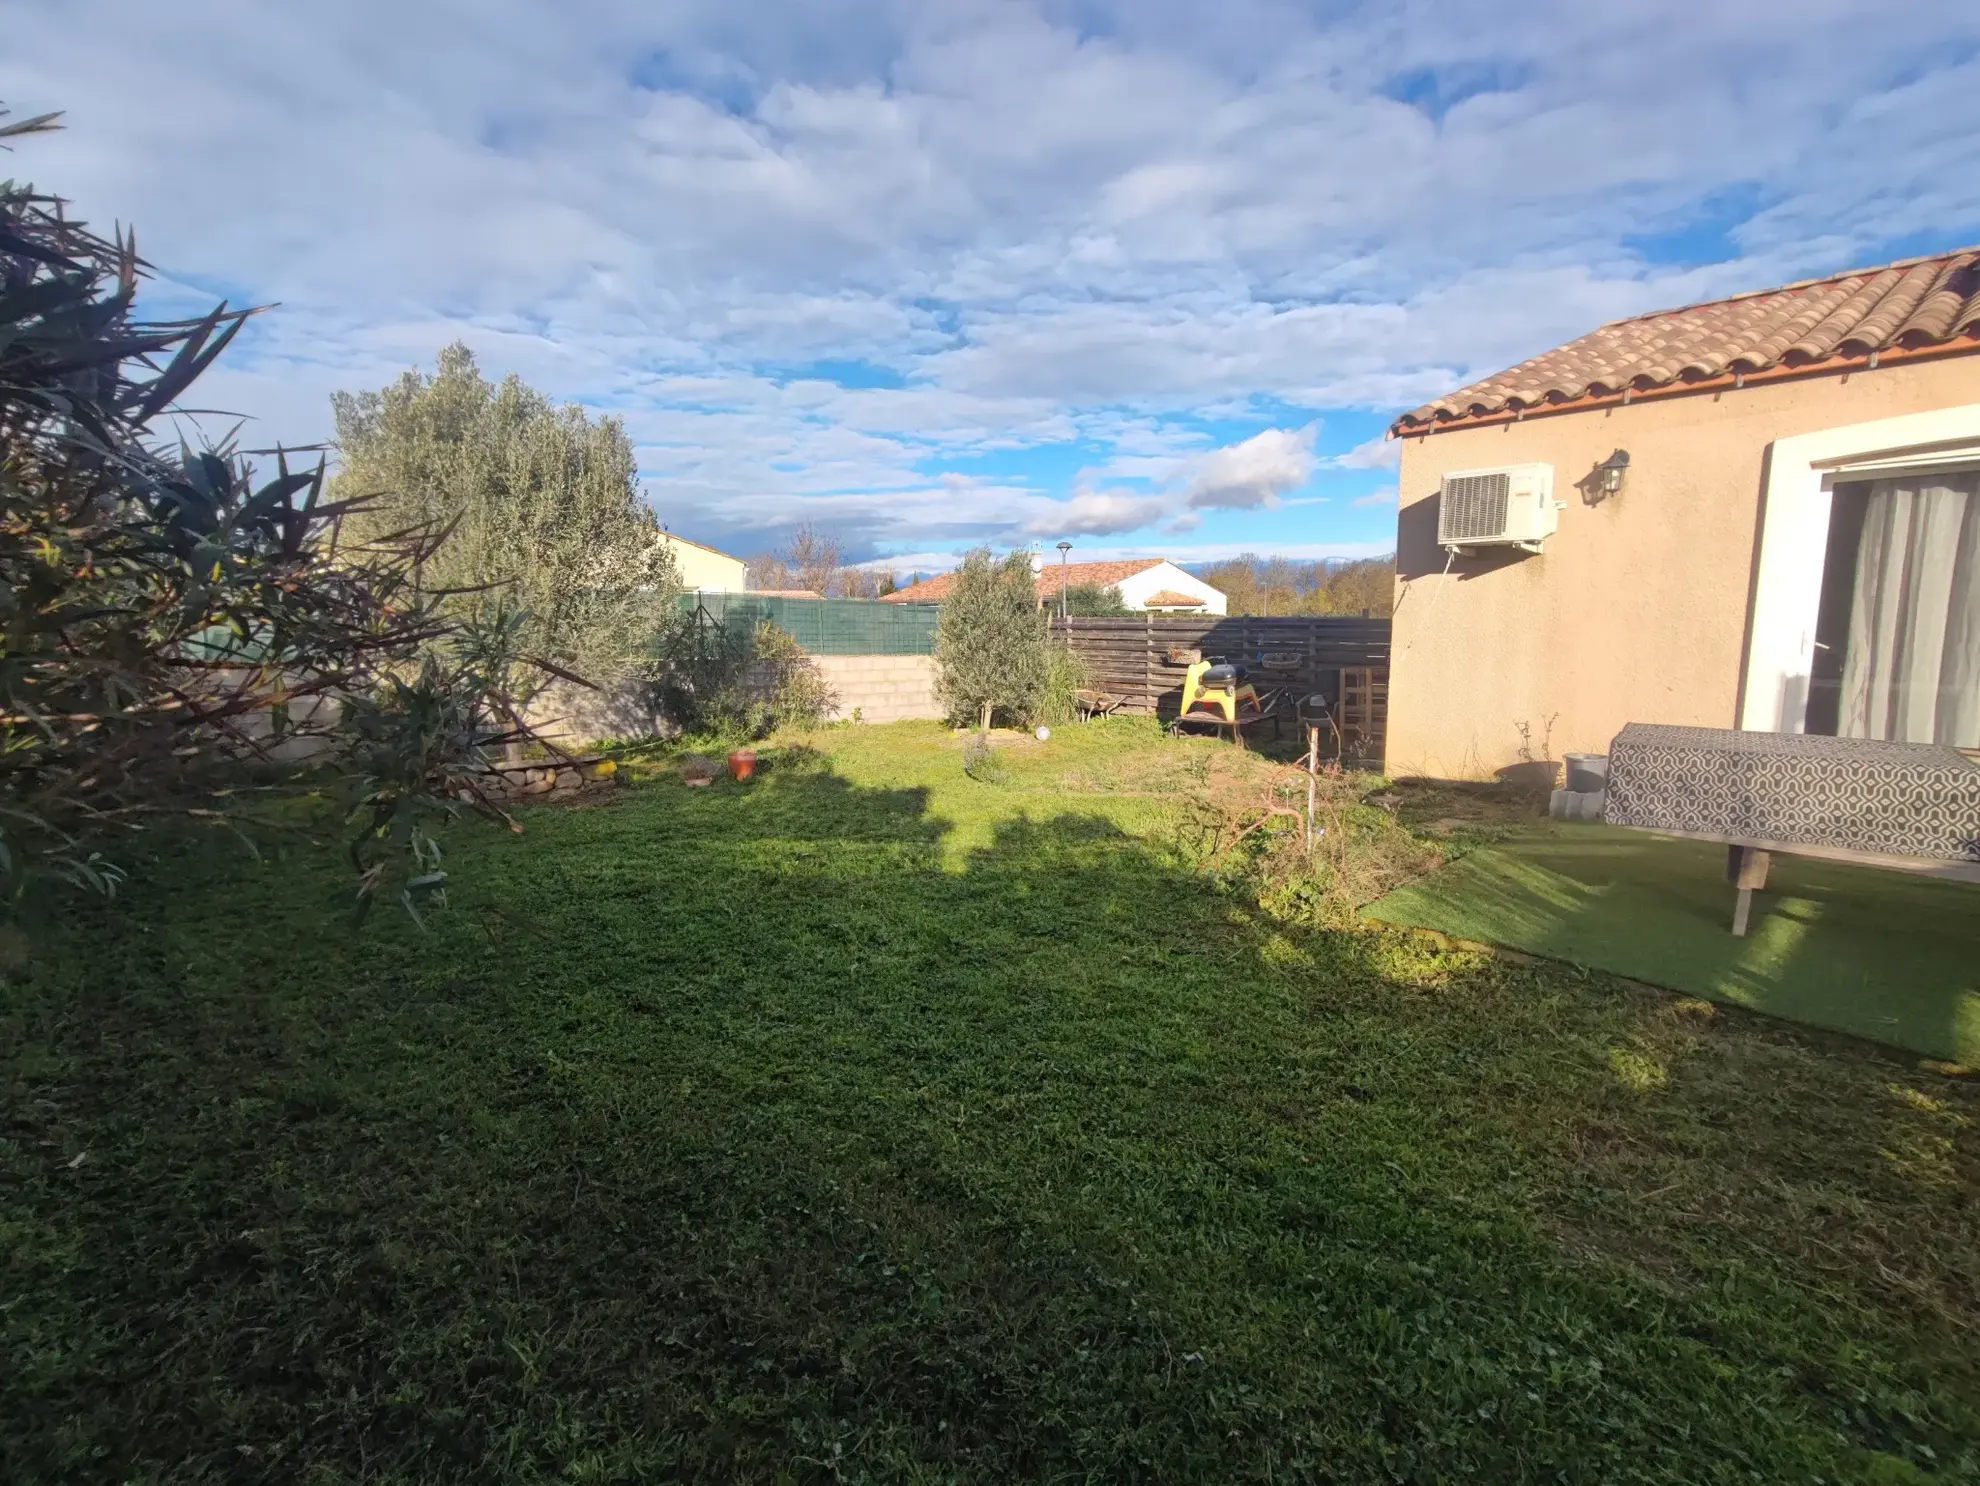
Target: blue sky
<point>1149,276</point>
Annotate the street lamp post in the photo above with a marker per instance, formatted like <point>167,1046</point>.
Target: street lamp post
<point>1064,548</point>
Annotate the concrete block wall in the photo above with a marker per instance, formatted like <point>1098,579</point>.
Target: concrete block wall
<point>885,688</point>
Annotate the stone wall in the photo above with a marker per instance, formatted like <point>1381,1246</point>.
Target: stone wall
<point>884,688</point>
<point>575,717</point>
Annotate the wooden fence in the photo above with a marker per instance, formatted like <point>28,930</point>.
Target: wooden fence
<point>1141,660</point>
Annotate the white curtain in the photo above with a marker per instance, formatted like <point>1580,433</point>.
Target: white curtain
<point>1911,670</point>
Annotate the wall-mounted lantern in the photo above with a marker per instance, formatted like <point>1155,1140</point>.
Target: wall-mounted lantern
<point>1609,473</point>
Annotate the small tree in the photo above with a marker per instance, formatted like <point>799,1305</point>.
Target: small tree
<point>990,645</point>
<point>1091,601</point>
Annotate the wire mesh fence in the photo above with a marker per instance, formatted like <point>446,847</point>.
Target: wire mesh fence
<point>828,626</point>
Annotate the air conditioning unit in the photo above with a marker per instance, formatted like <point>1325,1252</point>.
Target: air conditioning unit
<point>1511,506</point>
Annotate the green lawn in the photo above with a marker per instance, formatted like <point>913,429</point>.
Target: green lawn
<point>871,1123</point>
<point>1885,955</point>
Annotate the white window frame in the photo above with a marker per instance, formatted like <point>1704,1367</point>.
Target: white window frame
<point>1794,539</point>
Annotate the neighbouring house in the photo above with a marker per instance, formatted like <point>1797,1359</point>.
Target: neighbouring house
<point>1761,512</point>
<point>702,567</point>
<point>1153,584</point>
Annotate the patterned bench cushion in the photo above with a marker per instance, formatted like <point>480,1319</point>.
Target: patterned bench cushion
<point>1888,799</point>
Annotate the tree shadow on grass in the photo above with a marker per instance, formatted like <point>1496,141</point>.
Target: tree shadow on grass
<point>758,1141</point>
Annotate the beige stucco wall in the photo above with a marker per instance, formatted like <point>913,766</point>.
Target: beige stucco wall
<point>704,567</point>
<point>1637,609</point>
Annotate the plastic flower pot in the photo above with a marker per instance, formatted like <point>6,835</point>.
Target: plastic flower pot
<point>742,764</point>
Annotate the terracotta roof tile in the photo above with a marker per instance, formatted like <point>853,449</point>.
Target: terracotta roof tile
<point>1168,598</point>
<point>1077,575</point>
<point>1904,306</point>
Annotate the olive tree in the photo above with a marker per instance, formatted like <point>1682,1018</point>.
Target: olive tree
<point>991,652</point>
<point>541,504</point>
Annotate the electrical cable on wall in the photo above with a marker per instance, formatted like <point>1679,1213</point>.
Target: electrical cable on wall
<point>1450,557</point>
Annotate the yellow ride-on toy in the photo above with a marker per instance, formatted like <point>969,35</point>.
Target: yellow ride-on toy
<point>1218,693</point>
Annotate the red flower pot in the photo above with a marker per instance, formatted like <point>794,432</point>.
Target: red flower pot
<point>742,764</point>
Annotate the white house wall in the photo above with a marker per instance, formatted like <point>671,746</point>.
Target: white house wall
<point>1136,591</point>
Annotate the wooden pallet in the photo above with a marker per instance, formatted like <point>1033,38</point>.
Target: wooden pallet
<point>1364,712</point>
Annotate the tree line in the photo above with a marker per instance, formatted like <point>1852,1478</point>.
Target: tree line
<point>813,561</point>
<point>1283,585</point>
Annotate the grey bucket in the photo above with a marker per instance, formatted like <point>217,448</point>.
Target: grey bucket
<point>1587,772</point>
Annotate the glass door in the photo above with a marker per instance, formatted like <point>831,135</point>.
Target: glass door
<point>1898,627</point>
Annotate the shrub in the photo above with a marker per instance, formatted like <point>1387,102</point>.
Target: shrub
<point>185,637</point>
<point>991,652</point>
<point>727,682</point>
<point>799,696</point>
<point>981,762</point>
<point>1065,678</point>
<point>1091,601</point>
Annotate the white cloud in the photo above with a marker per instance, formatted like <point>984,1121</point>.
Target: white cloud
<point>1105,227</point>
<point>1386,496</point>
<point>1253,473</point>
<point>1097,513</point>
<point>1378,453</point>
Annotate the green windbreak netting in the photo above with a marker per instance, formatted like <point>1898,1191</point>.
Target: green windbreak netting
<point>828,626</point>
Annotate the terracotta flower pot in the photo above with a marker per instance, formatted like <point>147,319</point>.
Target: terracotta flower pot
<point>742,764</point>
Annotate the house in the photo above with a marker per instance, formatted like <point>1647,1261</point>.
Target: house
<point>1151,583</point>
<point>704,568</point>
<point>1761,512</point>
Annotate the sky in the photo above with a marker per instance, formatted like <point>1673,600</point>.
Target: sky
<point>1147,276</point>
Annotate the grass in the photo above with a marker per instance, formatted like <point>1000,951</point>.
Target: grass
<point>872,1123</point>
<point>1878,954</point>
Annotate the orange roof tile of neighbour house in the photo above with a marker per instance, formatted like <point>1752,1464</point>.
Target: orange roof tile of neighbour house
<point>1076,575</point>
<point>1918,306</point>
<point>1168,598</point>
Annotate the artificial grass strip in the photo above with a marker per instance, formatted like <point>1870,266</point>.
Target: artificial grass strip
<point>1884,955</point>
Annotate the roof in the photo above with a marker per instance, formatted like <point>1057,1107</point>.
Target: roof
<point>674,536</point>
<point>1168,598</point>
<point>783,593</point>
<point>1911,307</point>
<point>1075,575</point>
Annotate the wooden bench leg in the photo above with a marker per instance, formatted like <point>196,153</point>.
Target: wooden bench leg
<point>1746,867</point>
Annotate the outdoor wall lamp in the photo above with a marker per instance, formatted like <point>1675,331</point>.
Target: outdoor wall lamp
<point>1610,472</point>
